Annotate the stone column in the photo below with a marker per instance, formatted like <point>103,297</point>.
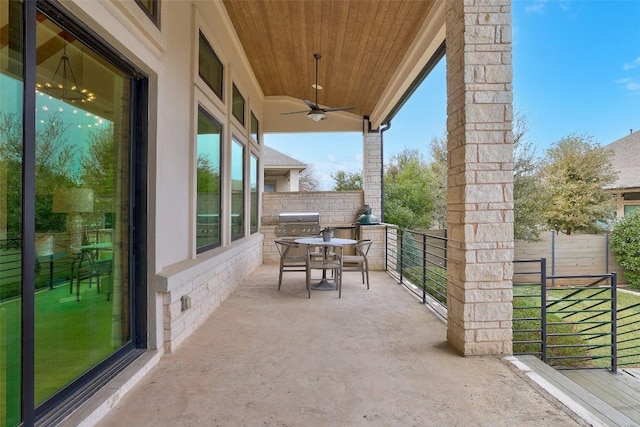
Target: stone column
<point>480,177</point>
<point>372,170</point>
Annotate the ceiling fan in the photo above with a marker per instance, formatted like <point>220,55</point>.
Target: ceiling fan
<point>315,112</point>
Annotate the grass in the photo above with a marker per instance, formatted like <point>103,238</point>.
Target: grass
<point>562,345</point>
<point>436,281</point>
<point>70,337</point>
<point>579,325</point>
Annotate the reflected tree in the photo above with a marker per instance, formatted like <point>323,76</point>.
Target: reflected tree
<point>54,168</point>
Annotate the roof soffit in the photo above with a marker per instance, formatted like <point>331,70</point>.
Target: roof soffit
<point>372,50</point>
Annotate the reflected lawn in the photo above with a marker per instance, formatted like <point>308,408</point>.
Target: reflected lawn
<point>71,337</point>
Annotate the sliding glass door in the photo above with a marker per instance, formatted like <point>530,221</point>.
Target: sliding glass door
<point>11,163</point>
<point>82,199</point>
<point>77,299</point>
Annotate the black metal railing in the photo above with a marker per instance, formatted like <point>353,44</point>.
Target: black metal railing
<point>568,321</point>
<point>418,260</point>
<point>571,326</point>
<point>50,270</point>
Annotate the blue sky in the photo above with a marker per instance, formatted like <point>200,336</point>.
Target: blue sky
<point>576,67</point>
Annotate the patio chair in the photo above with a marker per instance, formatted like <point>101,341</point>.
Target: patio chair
<point>330,260</point>
<point>88,266</point>
<point>358,262</point>
<point>291,257</point>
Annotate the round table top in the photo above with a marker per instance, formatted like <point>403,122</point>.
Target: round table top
<point>335,241</point>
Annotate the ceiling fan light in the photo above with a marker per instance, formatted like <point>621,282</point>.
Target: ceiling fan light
<point>316,116</point>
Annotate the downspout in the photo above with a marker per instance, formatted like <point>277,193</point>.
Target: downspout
<point>387,126</point>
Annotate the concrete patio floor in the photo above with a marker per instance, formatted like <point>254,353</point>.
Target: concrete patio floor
<point>374,357</point>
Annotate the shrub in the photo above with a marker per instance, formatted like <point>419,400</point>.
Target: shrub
<point>625,243</point>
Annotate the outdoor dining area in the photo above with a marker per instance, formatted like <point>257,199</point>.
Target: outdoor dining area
<point>302,247</point>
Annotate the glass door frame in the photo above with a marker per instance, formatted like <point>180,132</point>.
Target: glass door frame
<point>75,393</point>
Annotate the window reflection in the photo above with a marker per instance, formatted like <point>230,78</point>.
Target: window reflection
<point>237,190</point>
<point>82,210</point>
<point>210,67</point>
<point>238,105</point>
<point>254,193</point>
<point>208,182</point>
<point>11,137</point>
<point>254,128</point>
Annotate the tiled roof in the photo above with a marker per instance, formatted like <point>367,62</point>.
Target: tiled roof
<point>626,160</point>
<point>274,159</point>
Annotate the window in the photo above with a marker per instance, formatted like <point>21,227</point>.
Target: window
<point>254,128</point>
<point>253,226</point>
<point>238,105</point>
<point>151,8</point>
<point>630,208</point>
<point>237,190</point>
<point>210,67</point>
<point>208,182</point>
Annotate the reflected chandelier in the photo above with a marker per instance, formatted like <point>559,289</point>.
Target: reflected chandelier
<point>65,89</point>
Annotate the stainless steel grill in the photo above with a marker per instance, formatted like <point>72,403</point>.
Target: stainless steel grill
<point>298,224</point>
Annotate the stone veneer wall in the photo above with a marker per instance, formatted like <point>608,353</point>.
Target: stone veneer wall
<point>372,171</point>
<point>206,282</point>
<point>336,208</point>
<point>480,177</point>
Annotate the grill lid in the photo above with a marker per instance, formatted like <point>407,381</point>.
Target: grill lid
<point>299,217</point>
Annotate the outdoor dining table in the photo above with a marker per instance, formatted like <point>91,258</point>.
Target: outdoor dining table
<point>324,284</point>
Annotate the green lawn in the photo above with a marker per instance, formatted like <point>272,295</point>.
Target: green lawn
<point>578,321</point>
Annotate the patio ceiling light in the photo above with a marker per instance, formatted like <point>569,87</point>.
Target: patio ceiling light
<point>317,115</point>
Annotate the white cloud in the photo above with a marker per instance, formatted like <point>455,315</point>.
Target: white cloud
<point>632,65</point>
<point>632,86</point>
<point>538,6</point>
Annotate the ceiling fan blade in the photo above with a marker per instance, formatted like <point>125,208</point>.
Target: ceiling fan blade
<point>294,112</point>
<point>339,108</point>
<point>311,104</point>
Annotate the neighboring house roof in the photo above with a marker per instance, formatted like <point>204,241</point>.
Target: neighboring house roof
<point>626,160</point>
<point>273,159</point>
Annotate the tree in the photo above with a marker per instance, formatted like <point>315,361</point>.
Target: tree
<point>528,193</point>
<point>438,170</point>
<point>308,179</point>
<point>346,181</point>
<point>625,243</point>
<point>408,201</point>
<point>575,173</point>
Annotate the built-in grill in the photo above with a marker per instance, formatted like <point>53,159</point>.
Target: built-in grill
<point>298,224</point>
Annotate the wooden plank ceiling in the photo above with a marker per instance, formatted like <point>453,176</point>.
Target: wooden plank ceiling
<point>362,43</point>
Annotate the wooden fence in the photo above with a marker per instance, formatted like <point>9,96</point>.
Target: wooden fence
<point>567,255</point>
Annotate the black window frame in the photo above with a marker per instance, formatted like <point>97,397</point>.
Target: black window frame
<point>237,142</point>
<point>218,243</point>
<point>254,207</point>
<point>70,397</point>
<point>237,99</point>
<point>255,134</point>
<point>154,13</point>
<point>219,91</point>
